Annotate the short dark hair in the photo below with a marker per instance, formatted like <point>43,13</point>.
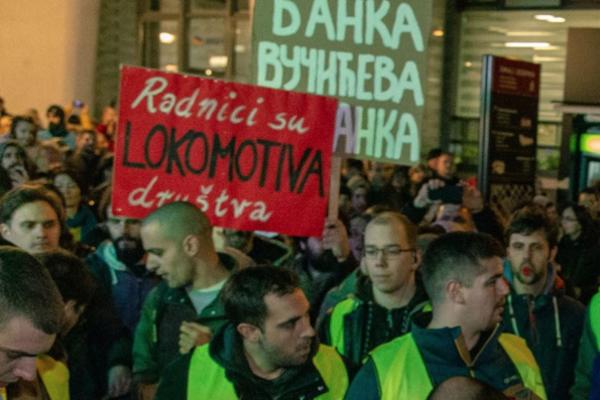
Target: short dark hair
<point>16,121</point>
<point>456,256</point>
<point>531,219</point>
<point>72,277</point>
<point>25,194</point>
<point>243,295</point>
<point>434,153</point>
<point>27,290</point>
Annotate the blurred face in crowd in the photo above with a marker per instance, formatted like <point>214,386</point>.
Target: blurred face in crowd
<point>241,240</point>
<point>25,133</point>
<point>380,174</point>
<point>569,223</point>
<point>444,165</point>
<point>34,227</point>
<point>12,158</point>
<point>86,141</point>
<point>529,256</point>
<point>416,175</point>
<point>20,343</point>
<point>390,260</point>
<point>53,119</point>
<point>69,189</point>
<point>588,200</point>
<point>286,337</point>
<point>358,225</point>
<point>359,200</point>
<point>484,300</point>
<point>125,234</point>
<point>166,257</point>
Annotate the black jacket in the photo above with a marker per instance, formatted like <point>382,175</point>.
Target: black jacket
<point>303,382</point>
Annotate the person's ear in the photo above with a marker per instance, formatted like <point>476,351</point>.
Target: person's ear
<point>455,292</point>
<point>4,230</point>
<point>417,258</point>
<point>248,332</point>
<point>191,245</point>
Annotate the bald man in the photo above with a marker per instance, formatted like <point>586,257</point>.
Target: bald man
<point>184,310</point>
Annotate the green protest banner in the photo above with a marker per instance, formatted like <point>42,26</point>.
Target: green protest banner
<point>370,54</point>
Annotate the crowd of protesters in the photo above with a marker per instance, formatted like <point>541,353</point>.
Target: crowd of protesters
<point>417,289</point>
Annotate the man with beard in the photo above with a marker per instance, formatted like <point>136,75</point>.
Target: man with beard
<point>462,274</point>
<point>537,308</point>
<point>268,350</point>
<point>118,262</point>
<point>381,307</point>
<point>57,128</point>
<point>184,310</point>
<point>14,163</point>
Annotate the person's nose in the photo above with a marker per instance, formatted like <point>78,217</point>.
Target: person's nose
<point>503,287</point>
<point>39,230</point>
<point>25,368</point>
<point>152,263</point>
<point>380,258</point>
<point>307,329</point>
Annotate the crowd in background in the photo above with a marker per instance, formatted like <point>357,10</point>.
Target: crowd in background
<point>110,276</point>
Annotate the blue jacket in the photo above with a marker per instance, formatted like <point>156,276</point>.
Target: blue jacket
<point>444,356</point>
<point>551,324</point>
<point>128,289</point>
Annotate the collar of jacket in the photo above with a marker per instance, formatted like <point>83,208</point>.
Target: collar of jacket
<point>449,344</point>
<point>226,349</point>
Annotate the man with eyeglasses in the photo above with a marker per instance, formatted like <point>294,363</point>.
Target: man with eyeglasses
<point>386,298</point>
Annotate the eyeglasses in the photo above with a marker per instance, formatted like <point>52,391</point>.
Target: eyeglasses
<point>387,252</point>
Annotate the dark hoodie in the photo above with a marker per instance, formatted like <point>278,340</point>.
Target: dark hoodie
<point>551,324</point>
<point>303,382</point>
<point>370,324</point>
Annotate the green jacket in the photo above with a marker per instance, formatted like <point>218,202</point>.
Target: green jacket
<point>589,349</point>
<point>219,370</point>
<point>156,341</point>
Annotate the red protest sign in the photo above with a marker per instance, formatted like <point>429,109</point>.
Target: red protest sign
<point>251,158</point>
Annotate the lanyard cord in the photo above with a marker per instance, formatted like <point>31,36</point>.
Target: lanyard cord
<point>557,322</point>
<point>513,320</point>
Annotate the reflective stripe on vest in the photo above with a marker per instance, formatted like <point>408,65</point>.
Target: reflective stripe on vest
<point>207,379</point>
<point>336,323</point>
<point>594,316</point>
<point>413,383</point>
<point>55,377</point>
